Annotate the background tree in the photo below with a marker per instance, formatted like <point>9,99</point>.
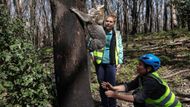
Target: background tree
<point>173,14</point>
<point>183,12</point>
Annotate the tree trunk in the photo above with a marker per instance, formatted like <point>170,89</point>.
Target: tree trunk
<point>147,22</point>
<point>165,28</point>
<point>157,18</point>
<point>142,18</point>
<point>118,22</point>
<point>134,18</point>
<point>125,22</point>
<point>173,17</point>
<point>93,3</point>
<point>70,56</point>
<point>47,28</point>
<point>19,7</point>
<point>33,26</point>
<point>151,16</point>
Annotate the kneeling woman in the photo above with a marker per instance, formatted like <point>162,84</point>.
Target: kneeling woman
<point>150,89</point>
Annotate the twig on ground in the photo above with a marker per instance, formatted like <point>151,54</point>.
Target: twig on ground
<point>182,71</point>
<point>185,100</point>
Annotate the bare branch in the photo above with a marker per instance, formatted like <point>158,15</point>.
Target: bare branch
<point>177,73</point>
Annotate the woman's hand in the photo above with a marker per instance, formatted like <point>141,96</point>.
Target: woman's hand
<point>107,86</point>
<point>110,93</point>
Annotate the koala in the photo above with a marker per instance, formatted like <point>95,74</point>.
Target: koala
<point>95,34</point>
<point>97,14</point>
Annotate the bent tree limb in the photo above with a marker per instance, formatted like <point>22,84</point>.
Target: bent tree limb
<point>70,56</point>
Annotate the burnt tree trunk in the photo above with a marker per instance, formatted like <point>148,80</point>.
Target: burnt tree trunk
<point>157,25</point>
<point>134,18</point>
<point>147,17</point>
<point>70,56</point>
<point>165,28</point>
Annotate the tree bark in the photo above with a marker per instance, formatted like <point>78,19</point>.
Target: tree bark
<point>134,18</point>
<point>33,26</point>
<point>147,17</point>
<point>157,25</point>
<point>125,21</point>
<point>19,7</point>
<point>173,16</point>
<point>151,16</point>
<point>70,56</point>
<point>165,27</point>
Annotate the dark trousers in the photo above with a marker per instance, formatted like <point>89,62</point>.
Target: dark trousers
<point>107,73</point>
<point>139,104</point>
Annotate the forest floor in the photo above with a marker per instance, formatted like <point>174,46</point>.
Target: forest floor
<point>172,47</point>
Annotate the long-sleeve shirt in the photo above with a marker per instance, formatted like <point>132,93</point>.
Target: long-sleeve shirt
<point>151,88</point>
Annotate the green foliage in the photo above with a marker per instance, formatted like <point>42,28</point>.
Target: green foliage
<point>24,80</point>
<point>94,87</point>
<point>127,71</point>
<point>183,9</point>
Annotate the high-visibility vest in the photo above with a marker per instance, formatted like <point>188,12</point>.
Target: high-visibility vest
<point>98,54</point>
<point>168,99</point>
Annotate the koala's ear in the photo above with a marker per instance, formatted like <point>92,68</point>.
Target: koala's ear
<point>98,7</point>
<point>102,6</point>
<point>83,16</point>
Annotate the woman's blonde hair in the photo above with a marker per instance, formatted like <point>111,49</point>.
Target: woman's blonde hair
<point>112,16</point>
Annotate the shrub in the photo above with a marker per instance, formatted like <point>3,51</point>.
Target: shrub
<point>24,81</point>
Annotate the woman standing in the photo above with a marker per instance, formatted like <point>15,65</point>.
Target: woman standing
<point>108,59</point>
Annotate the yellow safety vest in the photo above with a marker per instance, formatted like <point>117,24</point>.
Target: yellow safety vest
<point>98,54</point>
<point>168,99</point>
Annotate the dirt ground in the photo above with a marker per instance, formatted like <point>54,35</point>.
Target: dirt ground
<point>175,54</point>
<point>178,81</point>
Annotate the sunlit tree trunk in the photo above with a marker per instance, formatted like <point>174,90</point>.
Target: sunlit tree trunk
<point>47,27</point>
<point>173,16</point>
<point>19,7</point>
<point>107,6</point>
<point>142,18</point>
<point>70,55</point>
<point>33,26</point>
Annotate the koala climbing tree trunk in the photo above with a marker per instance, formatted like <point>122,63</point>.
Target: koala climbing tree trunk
<point>70,56</point>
